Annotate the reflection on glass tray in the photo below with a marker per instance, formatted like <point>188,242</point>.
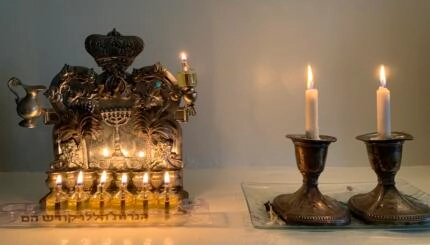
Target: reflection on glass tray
<point>258,194</point>
<point>24,215</point>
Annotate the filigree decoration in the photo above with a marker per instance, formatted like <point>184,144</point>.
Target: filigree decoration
<point>73,86</point>
<point>78,127</point>
<point>159,130</point>
<point>155,86</point>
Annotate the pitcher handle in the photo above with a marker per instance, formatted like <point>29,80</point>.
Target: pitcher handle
<point>13,82</point>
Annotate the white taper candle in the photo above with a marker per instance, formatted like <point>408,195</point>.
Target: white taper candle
<point>383,110</point>
<point>312,128</point>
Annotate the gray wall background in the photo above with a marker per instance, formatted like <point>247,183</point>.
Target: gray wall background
<point>250,56</point>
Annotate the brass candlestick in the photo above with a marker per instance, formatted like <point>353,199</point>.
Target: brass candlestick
<point>307,206</point>
<point>385,204</point>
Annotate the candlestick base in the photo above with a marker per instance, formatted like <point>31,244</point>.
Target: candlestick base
<point>385,204</point>
<point>308,206</point>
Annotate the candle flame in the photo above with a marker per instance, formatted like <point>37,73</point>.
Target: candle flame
<point>310,84</point>
<point>183,56</point>
<point>80,178</point>
<point>382,77</point>
<point>58,180</point>
<point>125,153</point>
<point>145,178</point>
<point>166,178</point>
<point>124,178</point>
<point>105,152</point>
<point>103,178</point>
<point>141,154</point>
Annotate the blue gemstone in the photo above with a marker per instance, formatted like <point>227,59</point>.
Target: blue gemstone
<point>157,84</point>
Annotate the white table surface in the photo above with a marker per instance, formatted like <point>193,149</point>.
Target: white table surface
<point>221,189</point>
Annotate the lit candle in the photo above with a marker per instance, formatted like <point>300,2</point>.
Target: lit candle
<point>103,178</point>
<point>184,62</point>
<point>79,187</point>
<point>383,110</point>
<point>102,183</point>
<point>58,182</point>
<point>80,179</point>
<point>166,180</point>
<point>166,187</point>
<point>123,188</point>
<point>124,180</point>
<point>145,180</point>
<point>145,194</point>
<point>312,128</point>
<point>186,77</point>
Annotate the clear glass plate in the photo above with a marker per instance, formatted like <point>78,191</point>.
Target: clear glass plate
<point>29,215</point>
<point>258,194</point>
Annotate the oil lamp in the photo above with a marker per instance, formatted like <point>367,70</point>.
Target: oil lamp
<point>79,198</point>
<point>145,199</point>
<point>57,199</point>
<point>123,199</point>
<point>101,199</point>
<point>168,199</point>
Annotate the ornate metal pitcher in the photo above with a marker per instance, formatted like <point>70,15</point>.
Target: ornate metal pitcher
<point>28,107</point>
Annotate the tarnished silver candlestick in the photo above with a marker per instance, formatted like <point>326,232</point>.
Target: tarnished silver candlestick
<point>308,206</point>
<point>115,121</point>
<point>385,204</point>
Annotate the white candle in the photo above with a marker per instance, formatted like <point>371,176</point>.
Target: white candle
<point>103,178</point>
<point>145,179</point>
<point>59,182</point>
<point>124,180</point>
<point>383,110</point>
<point>312,128</point>
<point>80,179</point>
<point>184,62</point>
<point>166,178</point>
<point>166,188</point>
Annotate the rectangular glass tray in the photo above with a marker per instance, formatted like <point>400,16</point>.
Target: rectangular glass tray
<point>257,194</point>
<point>29,215</point>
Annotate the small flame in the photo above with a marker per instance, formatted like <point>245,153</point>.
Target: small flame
<point>166,178</point>
<point>103,178</point>
<point>105,152</point>
<point>125,153</point>
<point>124,178</point>
<point>183,56</point>
<point>382,77</point>
<point>80,178</point>
<point>59,180</point>
<point>141,154</point>
<point>310,84</point>
<point>145,178</point>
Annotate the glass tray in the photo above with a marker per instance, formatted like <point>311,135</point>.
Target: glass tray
<point>258,194</point>
<point>28,215</point>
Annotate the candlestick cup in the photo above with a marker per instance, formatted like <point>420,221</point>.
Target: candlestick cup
<point>385,204</point>
<point>308,206</point>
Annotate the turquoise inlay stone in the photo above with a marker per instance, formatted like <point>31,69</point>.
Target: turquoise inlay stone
<point>157,84</point>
